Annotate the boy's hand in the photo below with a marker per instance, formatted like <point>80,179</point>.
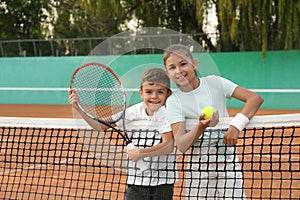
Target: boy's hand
<point>134,154</point>
<point>73,98</point>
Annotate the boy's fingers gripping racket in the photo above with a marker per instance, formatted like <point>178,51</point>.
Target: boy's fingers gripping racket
<point>140,163</point>
<point>102,97</point>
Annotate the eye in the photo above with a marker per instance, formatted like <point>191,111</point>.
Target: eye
<point>171,67</point>
<point>183,64</point>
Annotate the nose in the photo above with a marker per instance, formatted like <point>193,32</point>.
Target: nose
<point>178,70</point>
<point>153,95</point>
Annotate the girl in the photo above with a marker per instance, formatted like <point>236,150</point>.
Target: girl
<point>215,170</point>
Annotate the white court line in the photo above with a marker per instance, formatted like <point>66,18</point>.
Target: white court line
<point>50,89</point>
<point>287,90</point>
<point>32,89</point>
<point>31,167</point>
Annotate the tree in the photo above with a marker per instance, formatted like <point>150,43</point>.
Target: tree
<point>247,25</point>
<point>178,15</point>
<point>242,25</point>
<point>86,18</point>
<point>22,19</point>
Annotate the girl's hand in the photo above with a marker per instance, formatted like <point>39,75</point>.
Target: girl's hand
<point>211,122</point>
<point>214,119</point>
<point>231,136</point>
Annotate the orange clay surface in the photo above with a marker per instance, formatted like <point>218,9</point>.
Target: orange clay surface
<point>65,111</point>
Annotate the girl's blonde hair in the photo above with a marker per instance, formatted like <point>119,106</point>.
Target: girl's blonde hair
<point>177,48</point>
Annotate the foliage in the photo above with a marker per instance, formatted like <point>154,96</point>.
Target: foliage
<point>258,25</point>
<point>22,19</point>
<point>243,25</point>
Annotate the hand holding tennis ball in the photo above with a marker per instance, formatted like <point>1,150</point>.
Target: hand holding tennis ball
<point>208,111</point>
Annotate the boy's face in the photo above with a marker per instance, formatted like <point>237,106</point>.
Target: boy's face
<point>154,96</point>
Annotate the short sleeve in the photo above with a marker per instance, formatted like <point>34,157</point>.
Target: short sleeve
<point>228,87</point>
<point>164,125</point>
<point>174,109</point>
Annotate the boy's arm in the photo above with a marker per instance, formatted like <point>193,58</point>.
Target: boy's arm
<point>252,103</point>
<point>74,99</point>
<point>163,148</point>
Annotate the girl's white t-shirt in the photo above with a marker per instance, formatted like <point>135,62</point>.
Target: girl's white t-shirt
<point>212,91</point>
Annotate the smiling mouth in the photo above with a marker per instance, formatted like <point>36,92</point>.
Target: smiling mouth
<point>181,77</point>
<point>155,103</point>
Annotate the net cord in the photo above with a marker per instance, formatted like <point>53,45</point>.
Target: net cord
<point>255,122</point>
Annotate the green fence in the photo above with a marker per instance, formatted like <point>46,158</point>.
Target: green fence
<point>45,80</point>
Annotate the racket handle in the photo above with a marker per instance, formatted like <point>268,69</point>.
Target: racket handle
<point>140,163</point>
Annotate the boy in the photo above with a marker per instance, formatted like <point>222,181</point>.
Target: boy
<point>158,181</point>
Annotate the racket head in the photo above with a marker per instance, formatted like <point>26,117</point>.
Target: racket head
<point>100,91</point>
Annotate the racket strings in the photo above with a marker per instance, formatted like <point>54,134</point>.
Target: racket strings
<point>100,93</point>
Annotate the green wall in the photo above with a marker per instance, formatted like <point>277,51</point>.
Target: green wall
<point>280,70</point>
<point>45,80</point>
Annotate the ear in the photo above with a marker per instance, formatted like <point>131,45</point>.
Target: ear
<point>141,92</point>
<point>169,93</point>
<point>195,63</point>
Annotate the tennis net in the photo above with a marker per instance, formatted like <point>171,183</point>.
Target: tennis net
<point>52,158</point>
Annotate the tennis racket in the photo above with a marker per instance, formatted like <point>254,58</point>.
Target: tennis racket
<point>102,98</point>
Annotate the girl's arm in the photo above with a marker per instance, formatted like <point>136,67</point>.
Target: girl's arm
<point>74,99</point>
<point>184,140</point>
<point>252,103</point>
<point>163,148</point>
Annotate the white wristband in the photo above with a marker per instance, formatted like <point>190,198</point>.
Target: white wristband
<point>239,121</point>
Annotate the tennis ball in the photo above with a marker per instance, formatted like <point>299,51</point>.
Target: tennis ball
<point>208,111</point>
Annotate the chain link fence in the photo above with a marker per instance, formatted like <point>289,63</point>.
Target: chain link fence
<point>85,46</point>
<point>48,47</point>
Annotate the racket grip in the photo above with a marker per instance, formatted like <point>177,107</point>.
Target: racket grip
<point>140,163</point>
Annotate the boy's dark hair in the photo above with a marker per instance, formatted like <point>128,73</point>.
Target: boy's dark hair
<point>155,76</point>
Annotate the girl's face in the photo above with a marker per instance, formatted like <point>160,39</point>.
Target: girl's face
<point>181,70</point>
<point>154,96</point>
